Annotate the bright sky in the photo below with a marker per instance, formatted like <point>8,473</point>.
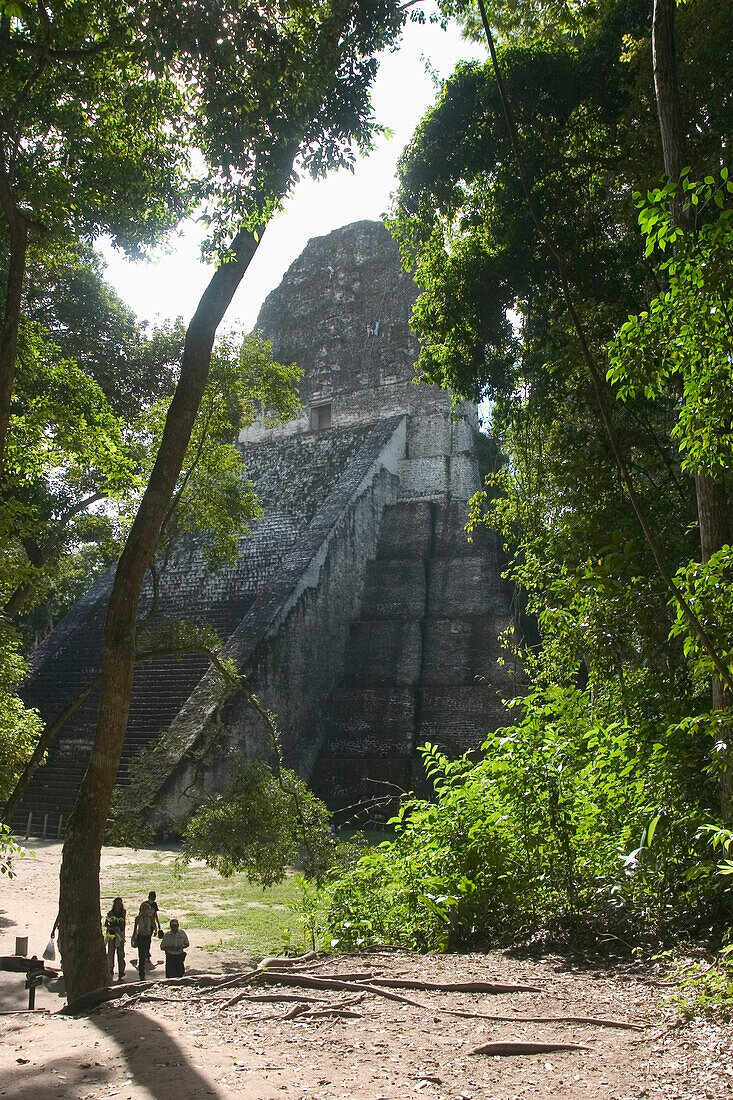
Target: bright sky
<point>172,285</point>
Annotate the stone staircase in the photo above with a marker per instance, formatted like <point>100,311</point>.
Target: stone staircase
<point>160,687</point>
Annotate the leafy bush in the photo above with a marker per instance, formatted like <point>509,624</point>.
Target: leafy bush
<point>704,989</point>
<point>10,850</point>
<point>264,822</point>
<point>565,818</point>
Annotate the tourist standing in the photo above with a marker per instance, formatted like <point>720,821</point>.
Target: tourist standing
<point>114,938</point>
<point>174,943</point>
<point>154,910</point>
<point>141,935</point>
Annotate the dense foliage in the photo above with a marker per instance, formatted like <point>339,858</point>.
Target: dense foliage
<point>601,807</point>
<point>264,822</point>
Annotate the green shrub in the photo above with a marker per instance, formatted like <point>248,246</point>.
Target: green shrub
<point>564,819</point>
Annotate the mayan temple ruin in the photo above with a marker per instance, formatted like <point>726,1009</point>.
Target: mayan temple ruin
<point>358,610</point>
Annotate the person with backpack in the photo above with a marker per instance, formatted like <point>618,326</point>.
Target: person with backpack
<point>114,938</point>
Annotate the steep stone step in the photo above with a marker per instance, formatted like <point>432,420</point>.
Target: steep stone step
<point>383,652</point>
<point>374,721</point>
<point>406,531</point>
<point>457,719</point>
<point>362,788</point>
<point>461,652</point>
<point>466,586</point>
<point>394,589</point>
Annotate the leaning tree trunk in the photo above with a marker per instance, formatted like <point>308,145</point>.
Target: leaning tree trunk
<point>18,232</point>
<point>712,502</point>
<point>80,936</point>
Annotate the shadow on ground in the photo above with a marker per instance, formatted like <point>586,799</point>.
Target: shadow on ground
<point>132,1049</point>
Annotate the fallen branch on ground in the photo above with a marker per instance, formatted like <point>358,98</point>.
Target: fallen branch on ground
<point>23,1011</point>
<point>95,997</point>
<point>525,1048</point>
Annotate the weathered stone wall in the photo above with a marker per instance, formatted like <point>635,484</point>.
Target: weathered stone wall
<point>423,662</point>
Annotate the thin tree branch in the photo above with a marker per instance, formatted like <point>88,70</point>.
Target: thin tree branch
<point>18,46</point>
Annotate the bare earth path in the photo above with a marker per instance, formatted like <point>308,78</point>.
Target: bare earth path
<point>181,1043</point>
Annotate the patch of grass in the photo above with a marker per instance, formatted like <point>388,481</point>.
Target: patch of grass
<point>255,921</point>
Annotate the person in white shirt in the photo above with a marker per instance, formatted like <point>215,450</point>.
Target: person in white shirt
<point>174,943</point>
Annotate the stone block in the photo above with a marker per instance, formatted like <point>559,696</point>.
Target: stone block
<point>367,786</point>
<point>460,652</point>
<point>384,652</point>
<point>466,586</point>
<point>451,537</point>
<point>424,478</point>
<point>406,531</point>
<point>463,477</point>
<point>372,721</point>
<point>463,435</point>
<point>457,719</point>
<point>429,436</point>
<point>394,589</point>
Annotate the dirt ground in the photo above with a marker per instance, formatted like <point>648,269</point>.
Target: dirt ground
<point>178,1043</point>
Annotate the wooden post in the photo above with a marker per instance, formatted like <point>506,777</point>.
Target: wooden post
<point>61,825</point>
<point>28,826</point>
<point>45,825</point>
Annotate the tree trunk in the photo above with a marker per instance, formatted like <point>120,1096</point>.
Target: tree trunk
<point>666,88</point>
<point>18,231</point>
<point>713,516</point>
<point>82,946</point>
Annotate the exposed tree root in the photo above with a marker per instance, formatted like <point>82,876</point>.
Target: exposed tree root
<point>525,1048</point>
<point>440,987</point>
<point>281,978</point>
<point>301,998</point>
<point>457,987</point>
<point>95,997</point>
<point>310,982</point>
<point>596,1021</point>
<point>240,978</point>
<point>325,1013</point>
<point>286,961</point>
